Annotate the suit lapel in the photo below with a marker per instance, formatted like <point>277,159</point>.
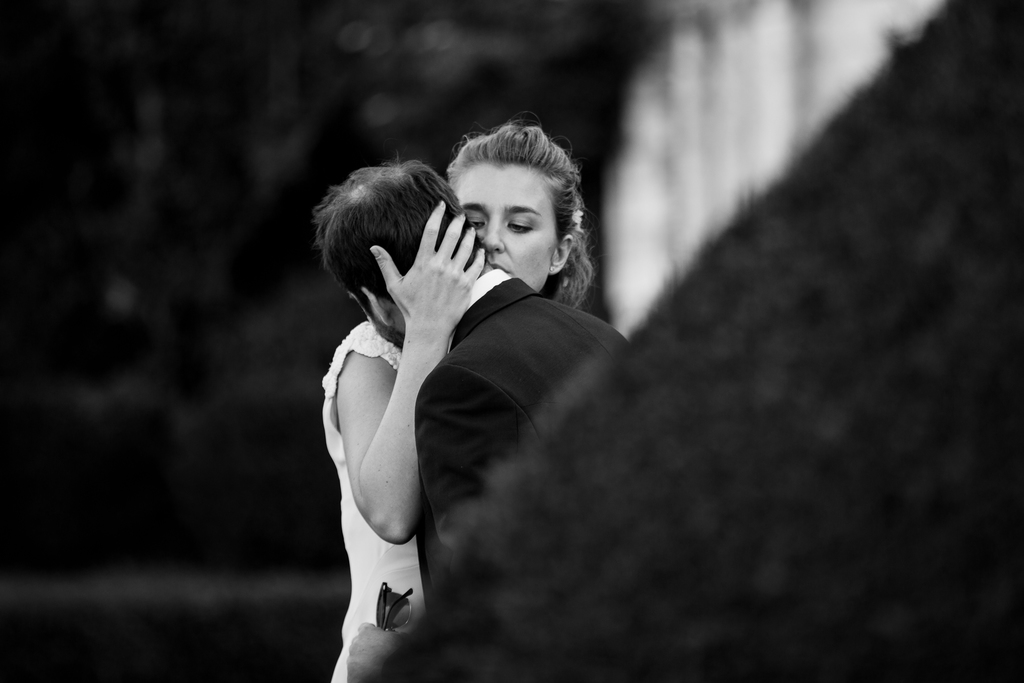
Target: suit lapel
<point>503,295</point>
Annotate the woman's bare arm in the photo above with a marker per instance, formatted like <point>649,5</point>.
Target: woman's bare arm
<point>376,406</point>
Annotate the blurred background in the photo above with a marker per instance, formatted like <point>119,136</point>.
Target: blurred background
<point>169,508</point>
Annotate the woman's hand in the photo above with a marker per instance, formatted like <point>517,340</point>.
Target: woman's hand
<point>380,449</point>
<point>369,650</point>
<point>435,293</point>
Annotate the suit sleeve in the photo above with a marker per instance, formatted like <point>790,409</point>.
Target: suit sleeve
<point>463,424</point>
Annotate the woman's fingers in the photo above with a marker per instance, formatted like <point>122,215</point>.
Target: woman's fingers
<point>451,237</point>
<point>429,240</point>
<point>477,266</point>
<point>464,255</point>
<point>387,266</point>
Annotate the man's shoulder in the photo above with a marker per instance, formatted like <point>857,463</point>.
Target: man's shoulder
<point>600,329</point>
<point>535,325</point>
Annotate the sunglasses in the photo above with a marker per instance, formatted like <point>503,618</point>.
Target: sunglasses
<point>393,610</point>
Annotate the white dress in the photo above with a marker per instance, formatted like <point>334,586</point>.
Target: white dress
<point>371,560</point>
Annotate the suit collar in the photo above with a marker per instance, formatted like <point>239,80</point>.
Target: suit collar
<point>499,297</point>
<point>486,283</point>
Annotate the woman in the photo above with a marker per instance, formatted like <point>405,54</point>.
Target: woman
<point>521,194</point>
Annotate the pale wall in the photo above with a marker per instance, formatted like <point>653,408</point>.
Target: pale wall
<point>717,111</point>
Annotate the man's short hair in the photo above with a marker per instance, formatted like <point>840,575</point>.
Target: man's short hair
<point>387,206</point>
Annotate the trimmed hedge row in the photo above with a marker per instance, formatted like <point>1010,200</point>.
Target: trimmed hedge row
<point>82,481</point>
<point>807,466</point>
<point>172,628</point>
<point>254,484</point>
<point>122,473</point>
<point>242,482</point>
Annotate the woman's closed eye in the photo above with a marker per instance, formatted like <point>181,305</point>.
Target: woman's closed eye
<point>519,227</point>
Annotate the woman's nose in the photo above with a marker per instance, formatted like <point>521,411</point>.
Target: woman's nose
<point>489,238</point>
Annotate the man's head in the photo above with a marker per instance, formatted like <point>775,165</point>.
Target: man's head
<point>387,206</point>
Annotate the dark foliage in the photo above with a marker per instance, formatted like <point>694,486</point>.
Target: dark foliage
<point>808,466</point>
<point>161,164</point>
<point>246,484</point>
<point>164,159</point>
<point>82,482</point>
<point>159,628</point>
<point>120,475</point>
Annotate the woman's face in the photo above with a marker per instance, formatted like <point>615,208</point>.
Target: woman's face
<point>511,211</point>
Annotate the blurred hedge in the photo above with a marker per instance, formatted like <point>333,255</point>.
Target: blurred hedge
<point>807,466</point>
<point>253,483</point>
<point>245,482</point>
<point>165,326</point>
<point>124,473</point>
<point>250,474</point>
<point>82,480</point>
<point>165,157</point>
<point>150,628</point>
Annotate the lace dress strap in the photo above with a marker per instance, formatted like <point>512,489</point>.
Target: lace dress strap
<point>366,341</point>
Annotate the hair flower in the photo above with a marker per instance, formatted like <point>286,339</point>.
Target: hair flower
<point>577,217</point>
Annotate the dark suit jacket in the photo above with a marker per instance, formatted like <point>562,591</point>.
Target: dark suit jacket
<point>511,353</point>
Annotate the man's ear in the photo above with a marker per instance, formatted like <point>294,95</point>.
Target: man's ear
<point>383,310</point>
<point>561,254</point>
